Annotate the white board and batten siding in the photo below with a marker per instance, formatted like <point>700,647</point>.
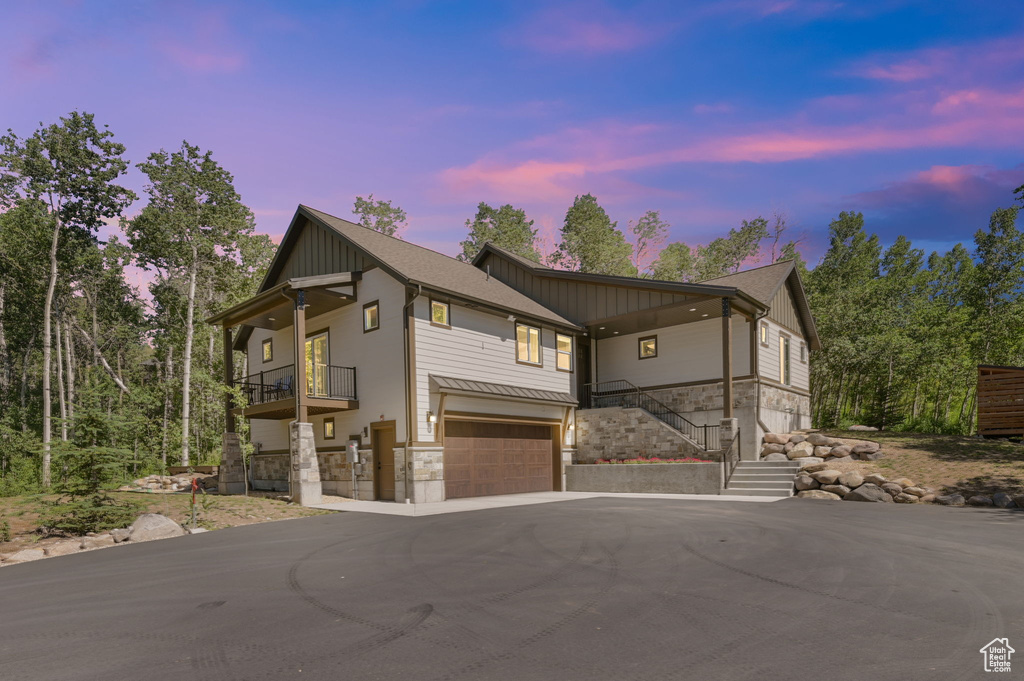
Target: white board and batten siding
<point>769,366</point>
<point>378,357</point>
<point>481,347</point>
<point>686,352</point>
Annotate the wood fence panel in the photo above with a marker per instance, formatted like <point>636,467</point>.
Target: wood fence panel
<point>1000,400</point>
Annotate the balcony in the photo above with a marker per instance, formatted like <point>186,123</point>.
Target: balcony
<point>271,394</point>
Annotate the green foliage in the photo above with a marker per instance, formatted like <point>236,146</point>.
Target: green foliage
<point>5,530</point>
<point>379,215</point>
<point>675,263</point>
<point>19,462</point>
<point>649,233</point>
<point>726,255</point>
<point>591,243</point>
<point>505,227</point>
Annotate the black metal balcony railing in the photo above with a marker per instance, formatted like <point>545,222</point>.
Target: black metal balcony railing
<point>329,382</point>
<point>625,394</point>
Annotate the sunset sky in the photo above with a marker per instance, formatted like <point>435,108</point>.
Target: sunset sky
<point>711,112</point>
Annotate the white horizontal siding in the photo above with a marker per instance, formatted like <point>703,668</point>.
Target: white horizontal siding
<point>686,352</point>
<point>768,357</point>
<point>479,346</point>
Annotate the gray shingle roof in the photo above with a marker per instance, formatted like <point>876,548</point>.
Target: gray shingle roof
<point>447,384</point>
<point>419,265</point>
<point>761,282</point>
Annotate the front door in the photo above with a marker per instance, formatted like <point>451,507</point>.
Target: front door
<point>316,365</point>
<point>384,462</point>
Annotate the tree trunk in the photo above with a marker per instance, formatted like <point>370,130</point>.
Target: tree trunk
<point>60,386</point>
<point>186,375</point>
<point>168,377</point>
<point>71,376</point>
<point>102,360</point>
<point>24,384</point>
<point>48,348</point>
<point>839,399</point>
<point>917,396</point>
<point>5,365</point>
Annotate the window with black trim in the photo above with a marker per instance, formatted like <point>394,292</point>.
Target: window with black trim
<point>371,316</point>
<point>764,333</point>
<point>563,352</point>
<point>648,347</point>
<point>784,377</point>
<point>329,428</point>
<point>528,344</point>
<point>440,313</point>
<point>268,350</point>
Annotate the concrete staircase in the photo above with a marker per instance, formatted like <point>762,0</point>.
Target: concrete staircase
<point>763,479</point>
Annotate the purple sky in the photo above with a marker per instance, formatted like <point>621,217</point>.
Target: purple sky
<point>711,112</point>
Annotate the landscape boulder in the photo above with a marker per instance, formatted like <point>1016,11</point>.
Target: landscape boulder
<point>805,482</point>
<point>797,438</point>
<point>121,534</point>
<point>818,494</point>
<point>823,452</point>
<point>863,428</point>
<point>904,482</point>
<point>979,500</point>
<point>1003,500</point>
<point>950,499</point>
<point>801,450</point>
<point>819,440</point>
<point>776,457</point>
<point>903,498</point>
<point>812,464</point>
<point>24,556</point>
<point>868,492</point>
<point>840,450</point>
<point>916,491</point>
<point>1018,501</point>
<point>864,448</point>
<point>97,542</point>
<point>841,490</point>
<point>928,498</point>
<point>841,459</point>
<point>772,449</point>
<point>892,488</point>
<point>149,526</point>
<point>826,477</point>
<point>776,438</point>
<point>851,479</point>
<point>63,547</point>
<point>875,479</point>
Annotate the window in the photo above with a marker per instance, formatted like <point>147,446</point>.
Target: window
<point>439,313</point>
<point>268,350</point>
<point>563,352</point>
<point>784,359</point>
<point>371,316</point>
<point>316,364</point>
<point>329,428</point>
<point>528,344</point>
<point>764,333</point>
<point>648,347</point>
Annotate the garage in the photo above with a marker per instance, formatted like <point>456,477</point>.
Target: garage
<point>483,458</point>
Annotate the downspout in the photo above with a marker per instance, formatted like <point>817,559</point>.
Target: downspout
<point>757,372</point>
<point>409,416</point>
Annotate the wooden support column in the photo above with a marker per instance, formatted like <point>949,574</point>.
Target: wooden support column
<point>726,359</point>
<point>229,379</point>
<point>301,409</point>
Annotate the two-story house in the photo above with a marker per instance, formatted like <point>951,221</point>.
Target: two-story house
<point>449,379</point>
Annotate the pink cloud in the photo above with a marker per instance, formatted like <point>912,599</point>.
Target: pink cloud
<point>205,59</point>
<point>969,62</point>
<point>536,178</point>
<point>587,29</point>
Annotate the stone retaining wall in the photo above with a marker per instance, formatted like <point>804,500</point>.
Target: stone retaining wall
<point>705,396</point>
<point>645,478</point>
<point>621,433</point>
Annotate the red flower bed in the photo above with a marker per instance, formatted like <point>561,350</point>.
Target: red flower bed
<point>655,459</point>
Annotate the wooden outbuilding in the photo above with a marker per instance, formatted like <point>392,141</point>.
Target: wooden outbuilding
<point>1000,401</point>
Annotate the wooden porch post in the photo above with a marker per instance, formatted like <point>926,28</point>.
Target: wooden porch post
<point>726,359</point>
<point>301,410</point>
<point>229,377</point>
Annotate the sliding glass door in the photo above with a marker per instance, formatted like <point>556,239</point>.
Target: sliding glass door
<point>316,365</point>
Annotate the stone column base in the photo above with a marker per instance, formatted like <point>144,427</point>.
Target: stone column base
<point>304,472</point>
<point>231,474</point>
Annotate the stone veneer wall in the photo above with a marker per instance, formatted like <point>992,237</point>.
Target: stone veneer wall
<point>618,433</point>
<point>705,396</point>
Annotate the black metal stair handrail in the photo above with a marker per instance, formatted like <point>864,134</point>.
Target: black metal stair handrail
<point>625,394</point>
<point>338,383</point>
<point>731,459</point>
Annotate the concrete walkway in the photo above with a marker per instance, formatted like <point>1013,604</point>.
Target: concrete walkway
<point>507,500</point>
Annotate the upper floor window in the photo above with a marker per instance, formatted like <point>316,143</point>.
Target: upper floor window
<point>528,344</point>
<point>329,428</point>
<point>764,333</point>
<point>268,350</point>
<point>371,316</point>
<point>439,313</point>
<point>563,352</point>
<point>648,347</point>
<point>784,360</point>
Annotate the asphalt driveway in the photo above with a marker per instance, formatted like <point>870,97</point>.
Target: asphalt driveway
<point>590,589</point>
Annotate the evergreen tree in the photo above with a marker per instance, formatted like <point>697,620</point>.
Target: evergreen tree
<point>505,227</point>
<point>591,243</point>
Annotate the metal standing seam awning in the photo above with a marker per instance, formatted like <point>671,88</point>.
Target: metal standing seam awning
<point>463,386</point>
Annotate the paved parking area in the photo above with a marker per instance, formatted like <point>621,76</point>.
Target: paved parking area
<point>598,588</point>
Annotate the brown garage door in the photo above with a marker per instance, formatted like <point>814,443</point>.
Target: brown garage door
<point>483,458</point>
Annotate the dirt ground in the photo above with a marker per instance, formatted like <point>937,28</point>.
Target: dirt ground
<point>213,512</point>
<point>947,463</point>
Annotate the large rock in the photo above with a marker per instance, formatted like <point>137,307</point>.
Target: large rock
<point>842,459</point>
<point>904,482</point>
<point>868,492</point>
<point>823,452</point>
<point>865,448</point>
<point>852,479</point>
<point>875,479</point>
<point>121,534</point>
<point>862,428</point>
<point>788,447</point>
<point>63,547</point>
<point>819,440</point>
<point>149,526</point>
<point>840,450</point>
<point>902,498</point>
<point>826,477</point>
<point>812,464</point>
<point>916,491</point>
<point>892,488</point>
<point>1018,501</point>
<point>868,456</point>
<point>97,542</point>
<point>979,500</point>
<point>1003,500</point>
<point>776,438</point>
<point>818,494</point>
<point>805,482</point>
<point>841,490</point>
<point>928,498</point>
<point>776,457</point>
<point>950,499</point>
<point>797,438</point>
<point>772,449</point>
<point>801,450</point>
<point>24,556</point>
